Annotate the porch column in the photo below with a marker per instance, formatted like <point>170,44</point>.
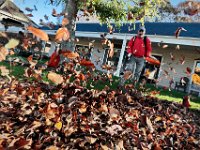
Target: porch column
<point>117,72</point>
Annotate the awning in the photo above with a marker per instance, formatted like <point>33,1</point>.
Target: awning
<point>9,11</point>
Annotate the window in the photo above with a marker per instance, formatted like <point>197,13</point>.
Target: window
<point>196,76</point>
<point>84,51</point>
<point>112,61</point>
<point>150,71</point>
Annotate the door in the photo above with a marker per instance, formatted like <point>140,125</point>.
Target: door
<point>150,71</point>
<point>195,81</point>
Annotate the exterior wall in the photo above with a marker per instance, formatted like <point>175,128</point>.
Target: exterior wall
<point>190,53</point>
<point>177,70</point>
<point>98,52</point>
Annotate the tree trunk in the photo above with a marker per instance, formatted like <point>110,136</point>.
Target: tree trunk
<point>71,12</point>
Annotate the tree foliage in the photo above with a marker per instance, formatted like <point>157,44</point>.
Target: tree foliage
<point>118,11</point>
<point>186,11</point>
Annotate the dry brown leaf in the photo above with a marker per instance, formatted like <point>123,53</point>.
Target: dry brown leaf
<point>104,147</point>
<point>111,52</point>
<point>107,67</point>
<point>83,108</point>
<point>127,75</point>
<point>4,71</point>
<point>55,78</point>
<point>165,46</point>
<point>103,108</point>
<point>58,125</point>
<point>70,54</point>
<point>81,76</point>
<point>22,143</point>
<point>62,34</point>
<point>86,63</point>
<point>149,125</point>
<point>191,139</point>
<point>52,148</point>
<point>32,62</point>
<point>90,139</point>
<point>39,33</point>
<point>65,22</point>
<point>156,146</point>
<point>158,118</point>
<point>11,52</point>
<point>4,91</point>
<point>3,53</point>
<point>120,145</point>
<point>177,47</point>
<point>3,34</point>
<point>35,125</point>
<point>114,129</point>
<point>114,113</point>
<point>70,130</point>
<point>51,112</point>
<point>12,43</point>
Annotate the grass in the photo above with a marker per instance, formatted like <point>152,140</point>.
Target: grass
<point>175,96</point>
<point>17,71</point>
<point>164,94</point>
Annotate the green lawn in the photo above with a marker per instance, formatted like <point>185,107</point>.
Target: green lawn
<point>164,94</point>
<point>16,70</point>
<point>176,96</point>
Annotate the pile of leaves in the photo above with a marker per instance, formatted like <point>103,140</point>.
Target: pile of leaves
<point>38,115</point>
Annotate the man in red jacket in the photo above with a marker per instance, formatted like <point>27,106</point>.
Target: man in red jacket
<point>138,49</point>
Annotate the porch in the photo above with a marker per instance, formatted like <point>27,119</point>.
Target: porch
<point>176,70</point>
<point>189,49</point>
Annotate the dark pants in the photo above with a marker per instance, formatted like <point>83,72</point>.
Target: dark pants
<point>135,65</point>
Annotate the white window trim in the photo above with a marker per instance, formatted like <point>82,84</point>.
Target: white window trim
<point>190,89</point>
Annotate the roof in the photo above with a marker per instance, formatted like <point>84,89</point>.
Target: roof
<point>8,10</point>
<point>164,29</point>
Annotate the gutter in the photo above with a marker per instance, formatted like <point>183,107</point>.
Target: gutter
<point>189,41</point>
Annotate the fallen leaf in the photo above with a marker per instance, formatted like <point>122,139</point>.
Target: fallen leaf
<point>70,54</point>
<point>3,53</point>
<point>58,125</point>
<point>4,71</point>
<point>127,75</point>
<point>52,148</point>
<point>165,46</point>
<point>86,63</point>
<point>65,22</point>
<point>55,78</point>
<point>62,34</point>
<point>12,43</point>
<point>90,139</point>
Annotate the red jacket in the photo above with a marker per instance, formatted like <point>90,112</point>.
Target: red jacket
<point>138,48</point>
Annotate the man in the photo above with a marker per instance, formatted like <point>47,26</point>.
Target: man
<point>139,47</point>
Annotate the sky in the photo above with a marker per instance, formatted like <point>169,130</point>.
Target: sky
<point>44,8</point>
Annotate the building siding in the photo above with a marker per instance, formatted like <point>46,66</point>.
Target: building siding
<point>179,71</point>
